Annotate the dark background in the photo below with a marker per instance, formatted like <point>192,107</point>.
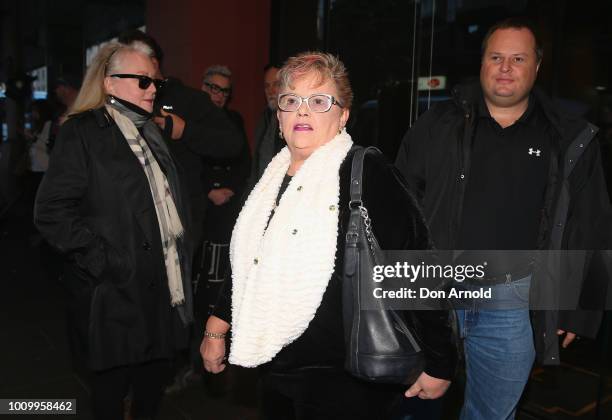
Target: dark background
<point>386,45</point>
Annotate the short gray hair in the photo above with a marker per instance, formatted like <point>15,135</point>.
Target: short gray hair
<point>217,69</point>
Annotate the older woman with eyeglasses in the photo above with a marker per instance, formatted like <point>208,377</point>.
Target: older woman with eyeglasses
<point>284,300</point>
<point>112,203</point>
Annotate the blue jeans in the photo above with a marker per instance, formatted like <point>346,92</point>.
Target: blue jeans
<point>499,352</point>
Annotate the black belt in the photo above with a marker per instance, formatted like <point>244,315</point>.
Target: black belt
<point>505,277</point>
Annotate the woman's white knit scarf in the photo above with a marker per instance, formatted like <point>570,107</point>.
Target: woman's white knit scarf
<point>280,273</point>
<point>170,227</point>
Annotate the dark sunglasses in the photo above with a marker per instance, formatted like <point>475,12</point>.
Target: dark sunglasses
<point>214,88</point>
<point>143,81</point>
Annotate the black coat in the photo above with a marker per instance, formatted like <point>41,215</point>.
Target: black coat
<point>267,144</point>
<point>95,206</point>
<point>435,159</point>
<point>231,173</point>
<point>398,224</point>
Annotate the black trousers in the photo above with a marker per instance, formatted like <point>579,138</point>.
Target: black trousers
<point>147,382</point>
<point>325,394</point>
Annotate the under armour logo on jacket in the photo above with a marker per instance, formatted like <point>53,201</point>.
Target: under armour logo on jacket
<point>535,152</point>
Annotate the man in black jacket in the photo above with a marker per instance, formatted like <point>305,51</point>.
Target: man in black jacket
<point>225,179</point>
<point>500,167</point>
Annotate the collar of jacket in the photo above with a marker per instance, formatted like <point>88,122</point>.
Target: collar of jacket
<point>102,118</point>
<point>567,126</point>
<point>136,114</point>
<point>573,134</point>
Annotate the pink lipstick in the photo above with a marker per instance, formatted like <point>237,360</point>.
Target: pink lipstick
<point>302,127</point>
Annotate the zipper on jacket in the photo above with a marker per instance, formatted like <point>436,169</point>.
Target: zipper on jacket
<point>465,144</point>
<point>567,160</point>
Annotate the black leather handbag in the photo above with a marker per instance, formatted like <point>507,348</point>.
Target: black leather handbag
<point>380,346</point>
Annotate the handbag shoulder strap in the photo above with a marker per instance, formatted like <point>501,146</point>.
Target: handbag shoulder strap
<point>358,212</point>
<point>357,174</point>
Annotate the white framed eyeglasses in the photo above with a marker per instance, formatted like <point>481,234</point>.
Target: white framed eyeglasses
<point>319,102</point>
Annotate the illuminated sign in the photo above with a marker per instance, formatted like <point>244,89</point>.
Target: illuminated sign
<point>432,83</point>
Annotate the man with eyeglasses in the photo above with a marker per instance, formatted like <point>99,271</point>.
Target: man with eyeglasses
<point>225,180</point>
<point>218,84</point>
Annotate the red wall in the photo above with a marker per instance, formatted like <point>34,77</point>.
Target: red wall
<point>196,34</point>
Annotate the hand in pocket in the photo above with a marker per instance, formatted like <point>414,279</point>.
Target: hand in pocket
<point>118,266</point>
